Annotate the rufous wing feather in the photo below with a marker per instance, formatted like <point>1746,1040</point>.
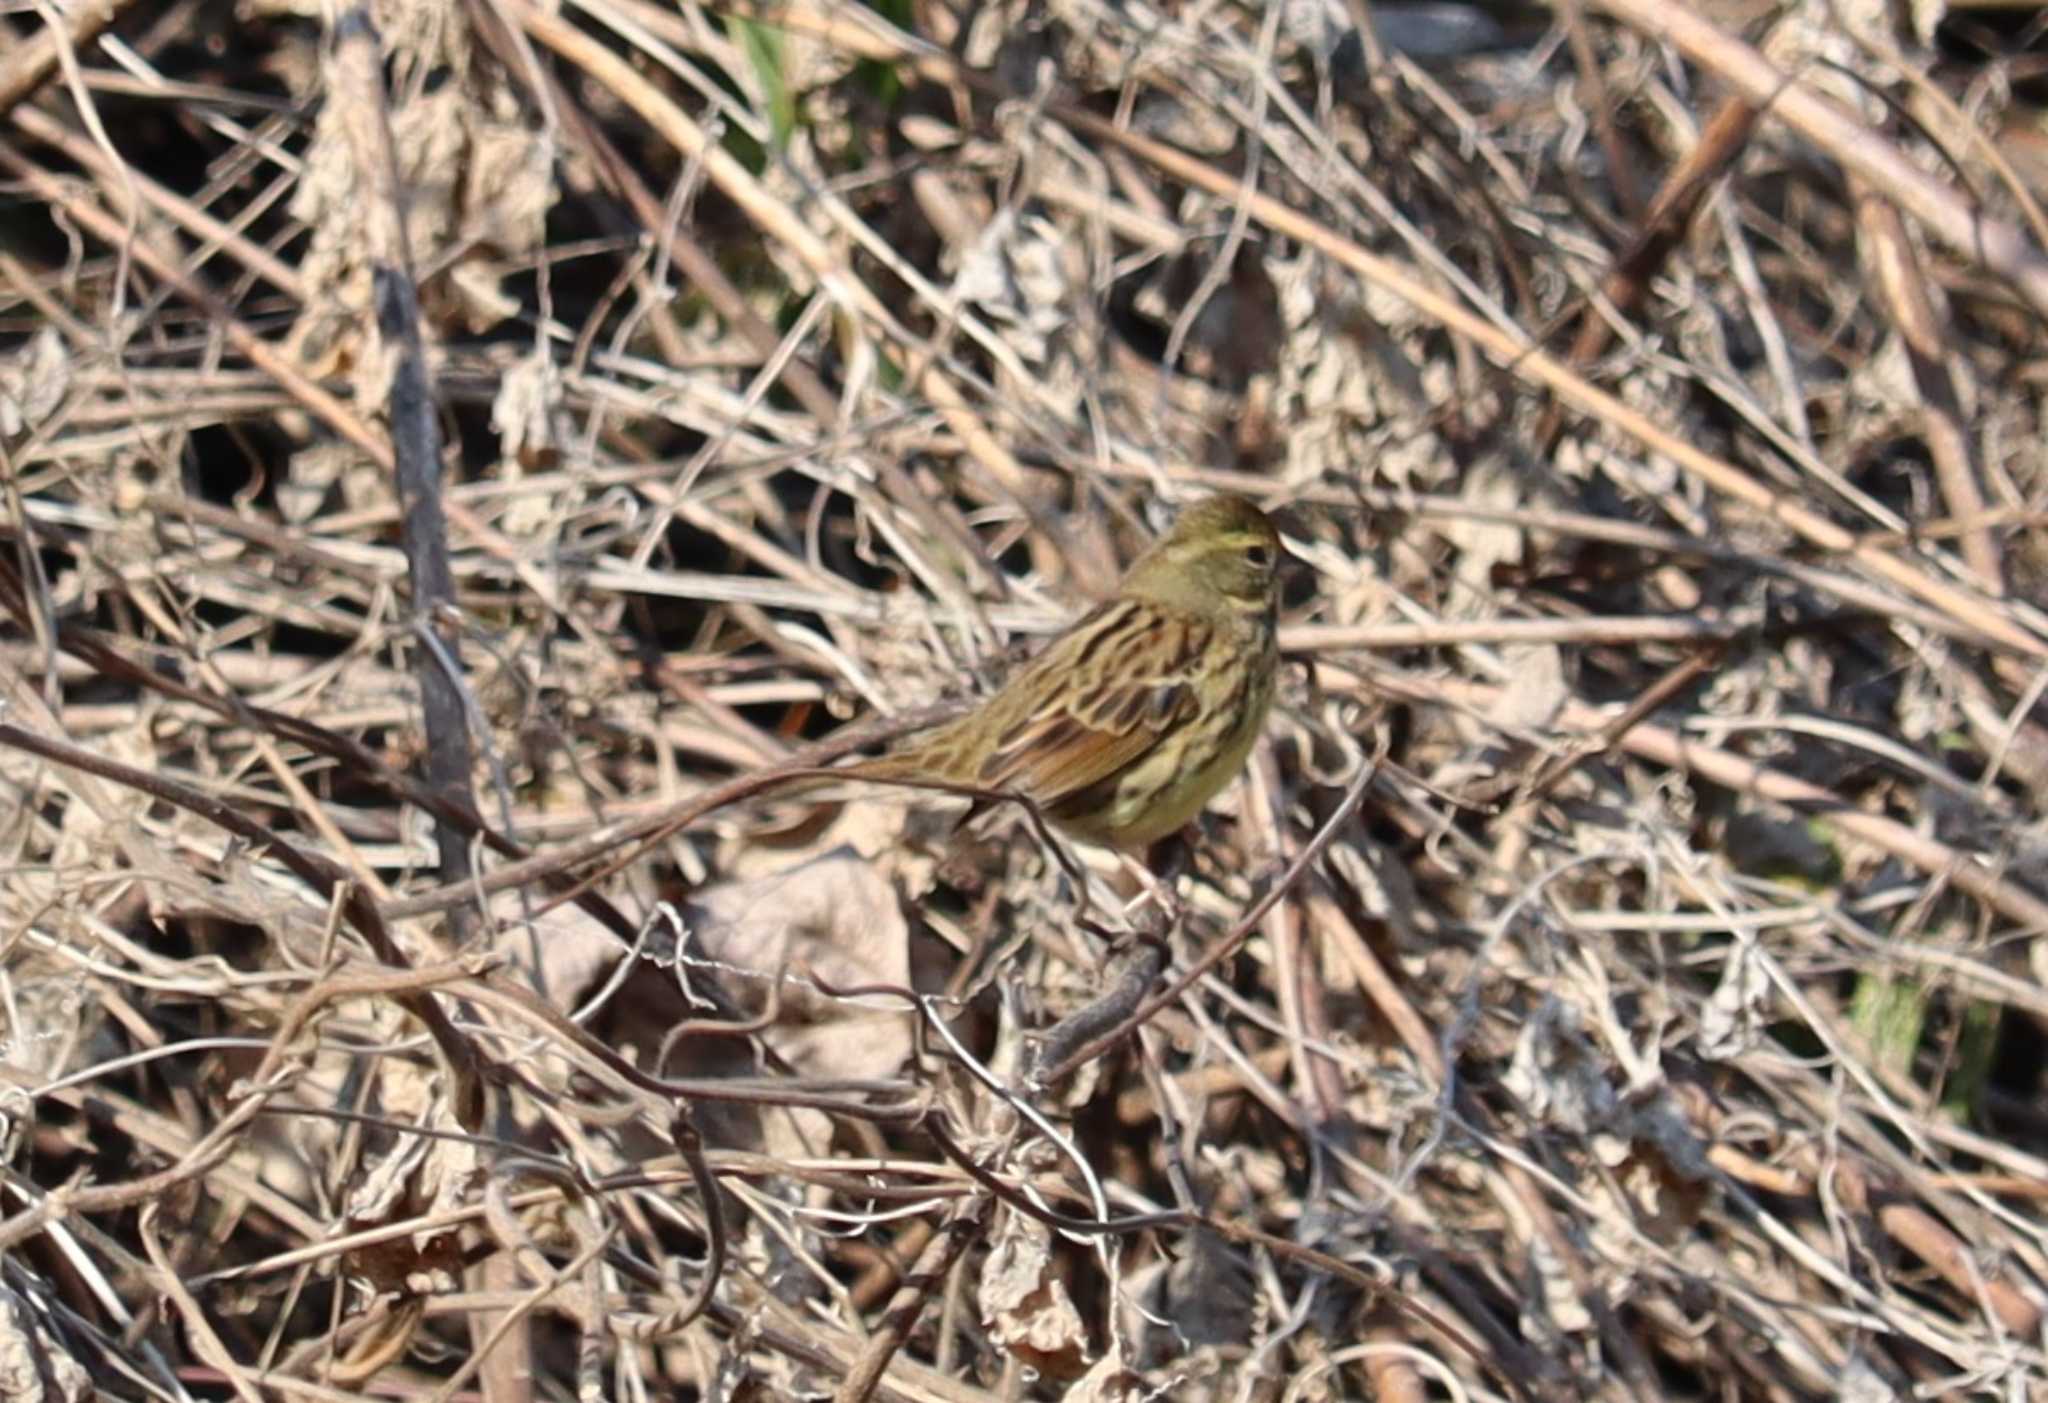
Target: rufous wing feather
<point>1068,739</point>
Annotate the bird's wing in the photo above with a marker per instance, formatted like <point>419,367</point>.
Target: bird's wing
<point>1096,701</point>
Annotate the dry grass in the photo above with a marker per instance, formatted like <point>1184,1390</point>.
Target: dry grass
<point>440,490</point>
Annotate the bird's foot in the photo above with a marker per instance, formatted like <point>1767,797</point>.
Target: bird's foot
<point>1159,896</point>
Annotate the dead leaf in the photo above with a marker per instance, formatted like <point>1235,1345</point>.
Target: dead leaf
<point>1024,1307</point>
<point>33,381</point>
<point>34,1365</point>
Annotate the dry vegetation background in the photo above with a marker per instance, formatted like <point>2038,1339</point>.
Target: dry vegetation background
<point>1620,973</point>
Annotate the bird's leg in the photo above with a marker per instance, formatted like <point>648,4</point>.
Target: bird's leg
<point>1155,893</point>
<point>1159,872</point>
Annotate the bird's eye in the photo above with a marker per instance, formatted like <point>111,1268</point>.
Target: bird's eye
<point>1261,556</point>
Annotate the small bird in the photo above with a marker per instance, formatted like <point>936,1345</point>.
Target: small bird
<point>1127,724</point>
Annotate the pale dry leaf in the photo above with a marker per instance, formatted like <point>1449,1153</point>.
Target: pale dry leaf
<point>1554,1308</point>
<point>310,475</point>
<point>1341,369</point>
<point>1474,769</point>
<point>1816,39</point>
<point>1614,1222</point>
<point>1651,475</point>
<point>238,890</point>
<point>1109,1380</point>
<point>325,199</point>
<point>499,214</point>
<point>855,1045</point>
<point>364,485</point>
<point>478,180</point>
<point>983,275</point>
<point>523,415</point>
<point>1318,25</point>
<point>1882,386</point>
<point>45,1017</point>
<point>1748,691</point>
<point>1315,1377</point>
<point>1733,1019</point>
<point>1024,1304</point>
<point>294,57</point>
<point>35,1367</point>
<point>1403,455</point>
<point>1209,1292</point>
<point>1487,538</point>
<point>89,831</point>
<point>1927,16</point>
<point>1554,1074</point>
<point>955,210</point>
<point>406,24</point>
<point>992,26</point>
<point>1016,275</point>
<point>1610,1151</point>
<point>1330,390</point>
<point>830,915</point>
<point>1535,690</point>
<point>508,183</point>
<point>381,1192</point>
<point>1860,1382</point>
<point>1925,706</point>
<point>478,285</point>
<point>927,133</point>
<point>835,917</point>
<point>1301,298</point>
<point>33,381</point>
<point>1884,390</point>
<point>422,1175</point>
<point>1355,395</point>
<point>559,952</point>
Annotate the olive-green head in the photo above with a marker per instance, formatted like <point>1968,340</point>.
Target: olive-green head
<point>1222,553</point>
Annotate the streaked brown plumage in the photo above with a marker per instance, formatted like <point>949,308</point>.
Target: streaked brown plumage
<point>1126,725</point>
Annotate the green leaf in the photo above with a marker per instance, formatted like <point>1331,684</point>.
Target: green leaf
<point>878,77</point>
<point>763,47</point>
<point>1889,1013</point>
<point>1976,1045</point>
